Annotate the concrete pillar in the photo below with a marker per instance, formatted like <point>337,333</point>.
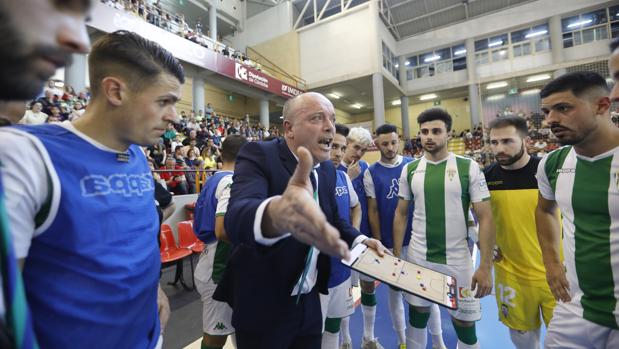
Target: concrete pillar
<point>264,112</point>
<point>212,20</point>
<point>471,68</point>
<point>475,104</point>
<point>198,94</point>
<point>556,39</point>
<point>379,99</point>
<point>75,73</point>
<point>406,128</point>
<point>402,70</point>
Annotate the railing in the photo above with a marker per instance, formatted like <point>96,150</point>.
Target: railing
<point>201,175</point>
<point>274,70</point>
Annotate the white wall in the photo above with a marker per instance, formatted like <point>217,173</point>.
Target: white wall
<point>264,26</point>
<point>592,49</point>
<point>493,23</point>
<point>514,66</point>
<point>232,8</point>
<point>438,82</point>
<point>340,49</point>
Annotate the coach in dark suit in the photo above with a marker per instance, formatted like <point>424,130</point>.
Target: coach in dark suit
<point>274,274</point>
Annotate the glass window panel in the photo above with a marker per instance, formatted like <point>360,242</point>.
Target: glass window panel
<point>601,33</point>
<point>459,63</point>
<point>577,38</point>
<point>481,45</point>
<point>565,22</point>
<point>459,50</point>
<point>522,50</point>
<point>567,40</point>
<point>481,58</point>
<point>422,72</point>
<point>541,27</point>
<point>542,45</point>
<point>409,74</point>
<point>588,35</point>
<point>499,55</point>
<point>614,13</point>
<point>412,61</point>
<point>423,57</point>
<point>519,35</point>
<point>598,17</point>
<point>499,40</point>
<point>614,28</point>
<point>443,53</point>
<point>443,67</point>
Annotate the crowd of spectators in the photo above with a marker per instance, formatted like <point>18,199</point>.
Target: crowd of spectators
<point>59,102</point>
<point>152,12</point>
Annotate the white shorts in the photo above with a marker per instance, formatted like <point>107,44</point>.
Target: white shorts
<point>339,303</point>
<point>568,330</point>
<point>354,278</point>
<point>216,316</point>
<point>469,308</point>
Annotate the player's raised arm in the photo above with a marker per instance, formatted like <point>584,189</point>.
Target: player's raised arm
<point>549,236</point>
<point>482,279</point>
<point>399,225</point>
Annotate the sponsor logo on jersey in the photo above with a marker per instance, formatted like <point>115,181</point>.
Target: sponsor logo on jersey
<point>393,189</point>
<point>119,183</point>
<point>465,292</point>
<point>566,170</point>
<point>340,191</point>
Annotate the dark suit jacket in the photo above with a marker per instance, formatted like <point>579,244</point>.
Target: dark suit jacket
<point>259,279</point>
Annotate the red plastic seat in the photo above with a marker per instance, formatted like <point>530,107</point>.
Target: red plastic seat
<point>186,237</point>
<point>169,251</point>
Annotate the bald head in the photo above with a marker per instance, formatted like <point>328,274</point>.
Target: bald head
<point>291,107</point>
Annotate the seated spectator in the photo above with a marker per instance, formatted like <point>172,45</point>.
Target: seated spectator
<point>48,101</point>
<point>158,153</point>
<point>193,163</point>
<point>175,180</point>
<point>169,134</point>
<point>209,111</point>
<point>34,116</point>
<point>77,112</point>
<point>209,154</point>
<point>54,115</point>
<point>191,144</point>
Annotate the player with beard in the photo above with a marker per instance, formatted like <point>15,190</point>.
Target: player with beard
<point>520,277</point>
<point>582,179</point>
<point>443,186</point>
<point>36,37</point>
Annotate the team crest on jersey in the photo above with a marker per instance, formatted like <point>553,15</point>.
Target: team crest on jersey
<point>393,189</point>
<point>451,173</point>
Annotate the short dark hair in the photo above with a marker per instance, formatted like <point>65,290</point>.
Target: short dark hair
<point>132,57</point>
<point>342,130</point>
<point>385,129</point>
<point>230,147</point>
<point>510,120</point>
<point>577,82</point>
<point>614,45</point>
<point>435,114</point>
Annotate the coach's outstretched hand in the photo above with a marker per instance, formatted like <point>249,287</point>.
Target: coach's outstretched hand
<point>298,213</point>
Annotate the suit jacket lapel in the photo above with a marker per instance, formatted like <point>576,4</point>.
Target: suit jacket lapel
<point>288,159</point>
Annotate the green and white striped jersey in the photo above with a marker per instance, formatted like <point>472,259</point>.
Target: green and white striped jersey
<point>587,193</point>
<point>442,193</point>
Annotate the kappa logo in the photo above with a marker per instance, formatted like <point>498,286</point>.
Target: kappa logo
<point>393,189</point>
<point>340,191</point>
<point>240,72</point>
<point>120,183</point>
<point>220,326</point>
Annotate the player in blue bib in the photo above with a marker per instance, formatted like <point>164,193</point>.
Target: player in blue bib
<point>84,219</point>
<point>339,303</point>
<point>208,224</point>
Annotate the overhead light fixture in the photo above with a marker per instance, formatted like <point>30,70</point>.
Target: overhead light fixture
<point>579,24</point>
<point>334,95</point>
<point>496,43</point>
<point>460,52</point>
<point>495,97</point>
<point>610,81</point>
<point>432,59</point>
<point>59,84</point>
<point>427,97</point>
<point>396,102</point>
<point>407,63</point>
<point>540,77</point>
<point>281,117</point>
<point>537,33</point>
<point>357,106</point>
<point>397,65</point>
<point>503,52</point>
<point>533,91</point>
<point>496,85</point>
